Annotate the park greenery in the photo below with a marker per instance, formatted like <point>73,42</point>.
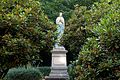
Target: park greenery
<point>53,7</point>
<point>23,74</point>
<point>92,38</point>
<point>26,34</point>
<point>99,57</point>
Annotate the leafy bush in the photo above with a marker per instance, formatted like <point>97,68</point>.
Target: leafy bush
<point>26,34</point>
<point>99,58</point>
<point>80,25</point>
<point>71,70</point>
<point>94,63</point>
<point>23,74</point>
<point>44,70</point>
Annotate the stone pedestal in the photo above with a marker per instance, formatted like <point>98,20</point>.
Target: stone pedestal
<point>59,65</point>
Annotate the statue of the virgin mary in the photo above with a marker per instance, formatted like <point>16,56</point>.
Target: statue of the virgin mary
<point>60,28</point>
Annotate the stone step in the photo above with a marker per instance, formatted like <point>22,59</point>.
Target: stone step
<point>59,67</point>
<point>58,75</point>
<point>59,72</point>
<point>56,78</point>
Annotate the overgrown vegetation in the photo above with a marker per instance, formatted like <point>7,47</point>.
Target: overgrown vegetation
<point>44,70</point>
<point>26,34</point>
<point>99,58</point>
<point>92,36</point>
<point>23,74</point>
<point>53,7</point>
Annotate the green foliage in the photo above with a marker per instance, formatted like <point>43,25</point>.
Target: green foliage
<point>78,28</point>
<point>71,71</point>
<point>99,58</point>
<point>76,32</point>
<point>53,7</point>
<point>15,72</point>
<point>23,74</point>
<point>44,70</point>
<point>80,25</point>
<point>26,34</point>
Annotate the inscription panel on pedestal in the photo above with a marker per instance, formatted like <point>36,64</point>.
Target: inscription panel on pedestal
<point>59,60</point>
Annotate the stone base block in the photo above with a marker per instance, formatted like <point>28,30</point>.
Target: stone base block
<point>59,68</point>
<point>58,73</point>
<point>55,78</point>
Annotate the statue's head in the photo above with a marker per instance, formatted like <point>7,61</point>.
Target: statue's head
<point>60,14</point>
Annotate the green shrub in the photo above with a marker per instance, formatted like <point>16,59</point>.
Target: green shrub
<point>71,71</point>
<point>99,58</point>
<point>23,74</point>
<point>44,70</point>
<point>25,34</point>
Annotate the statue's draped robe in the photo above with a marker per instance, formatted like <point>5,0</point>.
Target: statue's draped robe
<point>60,29</point>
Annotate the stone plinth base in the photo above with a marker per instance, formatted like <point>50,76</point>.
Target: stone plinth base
<point>59,68</point>
<point>58,73</point>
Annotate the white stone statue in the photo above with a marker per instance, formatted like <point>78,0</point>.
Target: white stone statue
<point>60,28</point>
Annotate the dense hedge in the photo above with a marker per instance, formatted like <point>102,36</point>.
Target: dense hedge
<point>33,72</point>
<point>23,74</point>
<point>44,70</point>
